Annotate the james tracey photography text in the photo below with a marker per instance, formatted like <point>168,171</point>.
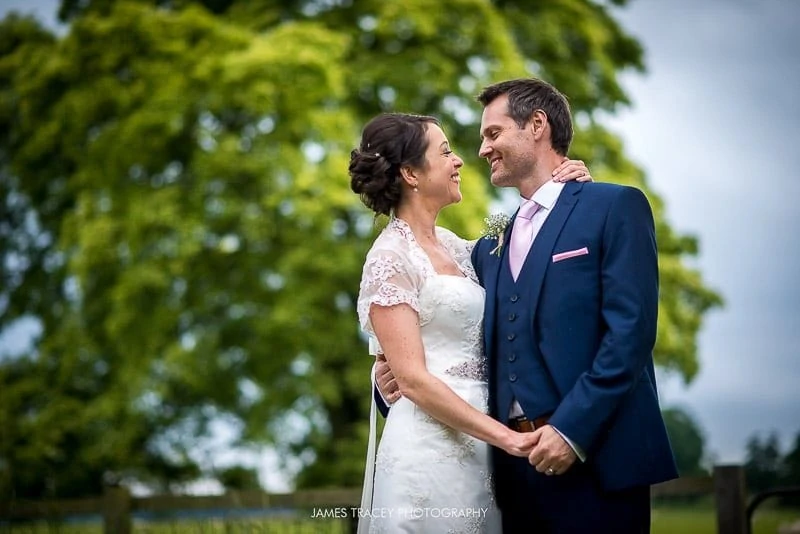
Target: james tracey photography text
<point>354,511</point>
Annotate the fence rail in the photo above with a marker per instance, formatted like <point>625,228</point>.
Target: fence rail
<point>117,505</point>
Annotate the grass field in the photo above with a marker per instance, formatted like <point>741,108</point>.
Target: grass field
<point>666,520</point>
<point>703,521</point>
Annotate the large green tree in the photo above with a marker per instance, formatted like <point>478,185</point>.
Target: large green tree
<point>177,215</point>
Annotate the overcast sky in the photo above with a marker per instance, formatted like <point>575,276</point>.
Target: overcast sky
<point>714,123</point>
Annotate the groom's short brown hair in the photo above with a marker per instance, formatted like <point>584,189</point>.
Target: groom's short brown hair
<point>526,95</point>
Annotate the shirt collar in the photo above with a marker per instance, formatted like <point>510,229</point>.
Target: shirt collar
<point>546,195</point>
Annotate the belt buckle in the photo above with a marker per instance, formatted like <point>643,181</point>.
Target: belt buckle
<point>522,424</point>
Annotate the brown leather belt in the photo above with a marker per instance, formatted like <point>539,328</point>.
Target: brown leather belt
<point>523,424</point>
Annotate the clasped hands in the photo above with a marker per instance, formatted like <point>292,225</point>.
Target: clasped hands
<point>545,448</point>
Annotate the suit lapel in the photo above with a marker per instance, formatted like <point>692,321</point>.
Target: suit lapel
<point>541,251</point>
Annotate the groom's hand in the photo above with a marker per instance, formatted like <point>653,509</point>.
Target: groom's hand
<point>385,381</point>
<point>551,455</point>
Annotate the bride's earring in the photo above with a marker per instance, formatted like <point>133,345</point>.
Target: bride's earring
<point>408,175</point>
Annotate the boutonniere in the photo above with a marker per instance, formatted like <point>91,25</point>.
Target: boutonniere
<point>496,225</point>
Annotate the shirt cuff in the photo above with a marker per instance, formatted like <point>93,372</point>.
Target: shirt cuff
<point>376,388</point>
<point>578,451</point>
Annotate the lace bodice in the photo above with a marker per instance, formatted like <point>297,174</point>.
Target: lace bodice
<point>398,271</point>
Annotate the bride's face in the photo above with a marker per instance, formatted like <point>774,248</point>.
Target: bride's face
<point>440,178</point>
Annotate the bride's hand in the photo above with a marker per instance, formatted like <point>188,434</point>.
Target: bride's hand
<point>520,444</point>
<point>385,381</point>
<point>572,169</point>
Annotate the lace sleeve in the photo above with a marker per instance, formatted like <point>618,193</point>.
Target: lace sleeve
<point>388,279</point>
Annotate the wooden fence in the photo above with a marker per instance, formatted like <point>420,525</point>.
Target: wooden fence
<point>117,505</point>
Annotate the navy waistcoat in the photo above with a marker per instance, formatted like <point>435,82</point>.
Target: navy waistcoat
<point>520,371</point>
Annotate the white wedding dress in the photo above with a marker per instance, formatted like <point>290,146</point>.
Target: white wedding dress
<point>429,478</point>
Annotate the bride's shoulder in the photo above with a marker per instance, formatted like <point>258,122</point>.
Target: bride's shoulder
<point>394,236</point>
<point>391,245</point>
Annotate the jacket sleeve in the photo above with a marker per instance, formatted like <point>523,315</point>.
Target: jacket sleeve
<point>629,308</point>
<point>380,402</point>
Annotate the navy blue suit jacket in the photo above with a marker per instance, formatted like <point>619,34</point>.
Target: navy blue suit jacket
<point>594,325</point>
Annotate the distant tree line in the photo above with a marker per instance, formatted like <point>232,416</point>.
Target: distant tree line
<point>767,467</point>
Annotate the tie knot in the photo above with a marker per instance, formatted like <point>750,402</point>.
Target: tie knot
<point>528,209</point>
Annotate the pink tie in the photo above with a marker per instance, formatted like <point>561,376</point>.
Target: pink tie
<point>521,237</point>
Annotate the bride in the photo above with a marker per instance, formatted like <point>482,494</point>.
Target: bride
<point>420,298</point>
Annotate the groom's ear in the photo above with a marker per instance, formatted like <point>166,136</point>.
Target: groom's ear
<point>538,124</point>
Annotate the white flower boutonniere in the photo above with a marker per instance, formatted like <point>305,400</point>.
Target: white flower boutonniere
<point>496,225</point>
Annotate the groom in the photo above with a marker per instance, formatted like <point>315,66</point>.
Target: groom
<point>570,325</point>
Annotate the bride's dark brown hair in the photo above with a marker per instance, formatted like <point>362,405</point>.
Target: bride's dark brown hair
<point>388,142</point>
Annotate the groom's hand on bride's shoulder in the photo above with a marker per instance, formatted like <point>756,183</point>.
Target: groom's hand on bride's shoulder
<point>552,455</point>
<point>385,381</point>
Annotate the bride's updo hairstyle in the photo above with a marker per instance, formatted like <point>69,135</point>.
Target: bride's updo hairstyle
<point>389,141</point>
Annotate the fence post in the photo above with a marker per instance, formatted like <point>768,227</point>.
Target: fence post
<point>117,510</point>
<point>730,495</point>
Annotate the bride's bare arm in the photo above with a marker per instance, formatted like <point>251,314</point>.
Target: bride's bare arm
<point>397,328</point>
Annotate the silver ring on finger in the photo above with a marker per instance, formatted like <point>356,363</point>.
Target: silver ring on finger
<point>549,471</point>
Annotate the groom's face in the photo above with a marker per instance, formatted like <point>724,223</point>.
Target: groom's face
<point>507,147</point>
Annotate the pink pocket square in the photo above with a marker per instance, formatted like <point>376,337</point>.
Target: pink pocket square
<point>570,254</point>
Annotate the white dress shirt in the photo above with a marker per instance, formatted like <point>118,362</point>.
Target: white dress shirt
<point>546,196</point>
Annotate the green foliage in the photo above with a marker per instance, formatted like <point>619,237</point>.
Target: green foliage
<point>791,462</point>
<point>763,465</point>
<point>767,467</point>
<point>791,472</point>
<point>179,220</point>
<point>239,478</point>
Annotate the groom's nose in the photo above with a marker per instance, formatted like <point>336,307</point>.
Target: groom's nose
<point>484,149</point>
